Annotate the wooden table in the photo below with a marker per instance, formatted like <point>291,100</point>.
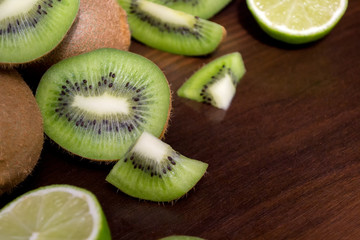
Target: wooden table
<point>284,160</point>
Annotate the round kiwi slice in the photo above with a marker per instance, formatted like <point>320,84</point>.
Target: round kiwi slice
<point>170,30</point>
<point>21,130</point>
<point>202,8</point>
<point>29,29</point>
<point>152,170</point>
<point>97,104</point>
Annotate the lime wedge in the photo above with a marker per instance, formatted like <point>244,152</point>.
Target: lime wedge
<point>54,212</point>
<point>297,21</point>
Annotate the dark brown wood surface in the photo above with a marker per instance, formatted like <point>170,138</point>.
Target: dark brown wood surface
<point>284,159</point>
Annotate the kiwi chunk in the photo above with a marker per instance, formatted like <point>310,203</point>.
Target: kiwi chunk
<point>215,83</point>
<point>97,104</point>
<point>170,30</point>
<point>202,8</point>
<point>152,170</point>
<point>29,29</point>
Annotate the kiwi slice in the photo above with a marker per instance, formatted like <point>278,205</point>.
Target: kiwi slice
<point>152,170</point>
<point>31,28</point>
<point>97,104</point>
<point>170,30</point>
<point>202,8</point>
<point>215,83</point>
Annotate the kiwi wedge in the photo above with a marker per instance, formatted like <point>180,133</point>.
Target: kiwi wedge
<point>170,30</point>
<point>30,29</point>
<point>97,104</point>
<point>152,170</point>
<point>202,8</point>
<point>21,130</point>
<point>215,83</point>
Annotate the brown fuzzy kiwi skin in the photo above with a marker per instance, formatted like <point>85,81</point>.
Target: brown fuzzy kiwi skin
<point>21,130</point>
<point>166,126</point>
<point>99,24</point>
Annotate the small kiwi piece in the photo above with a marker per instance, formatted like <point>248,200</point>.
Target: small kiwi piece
<point>152,170</point>
<point>32,28</point>
<point>180,237</point>
<point>21,130</point>
<point>99,24</point>
<point>170,30</point>
<point>202,8</point>
<point>97,104</point>
<point>215,83</point>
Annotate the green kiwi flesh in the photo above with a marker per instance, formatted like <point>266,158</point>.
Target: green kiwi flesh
<point>215,83</point>
<point>97,104</point>
<point>29,29</point>
<point>170,30</point>
<point>181,237</point>
<point>202,8</point>
<point>152,170</point>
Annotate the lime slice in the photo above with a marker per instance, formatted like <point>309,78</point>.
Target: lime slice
<point>54,212</point>
<point>297,21</point>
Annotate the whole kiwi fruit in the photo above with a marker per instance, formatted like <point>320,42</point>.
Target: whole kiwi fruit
<point>21,130</point>
<point>99,24</point>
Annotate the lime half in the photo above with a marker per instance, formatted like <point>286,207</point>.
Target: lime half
<point>54,212</point>
<point>297,21</point>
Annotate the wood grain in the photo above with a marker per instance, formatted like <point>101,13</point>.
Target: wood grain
<point>283,160</point>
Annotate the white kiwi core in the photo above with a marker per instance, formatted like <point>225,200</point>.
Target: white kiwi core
<point>151,147</point>
<point>166,14</point>
<point>222,92</point>
<point>103,104</point>
<point>9,8</point>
